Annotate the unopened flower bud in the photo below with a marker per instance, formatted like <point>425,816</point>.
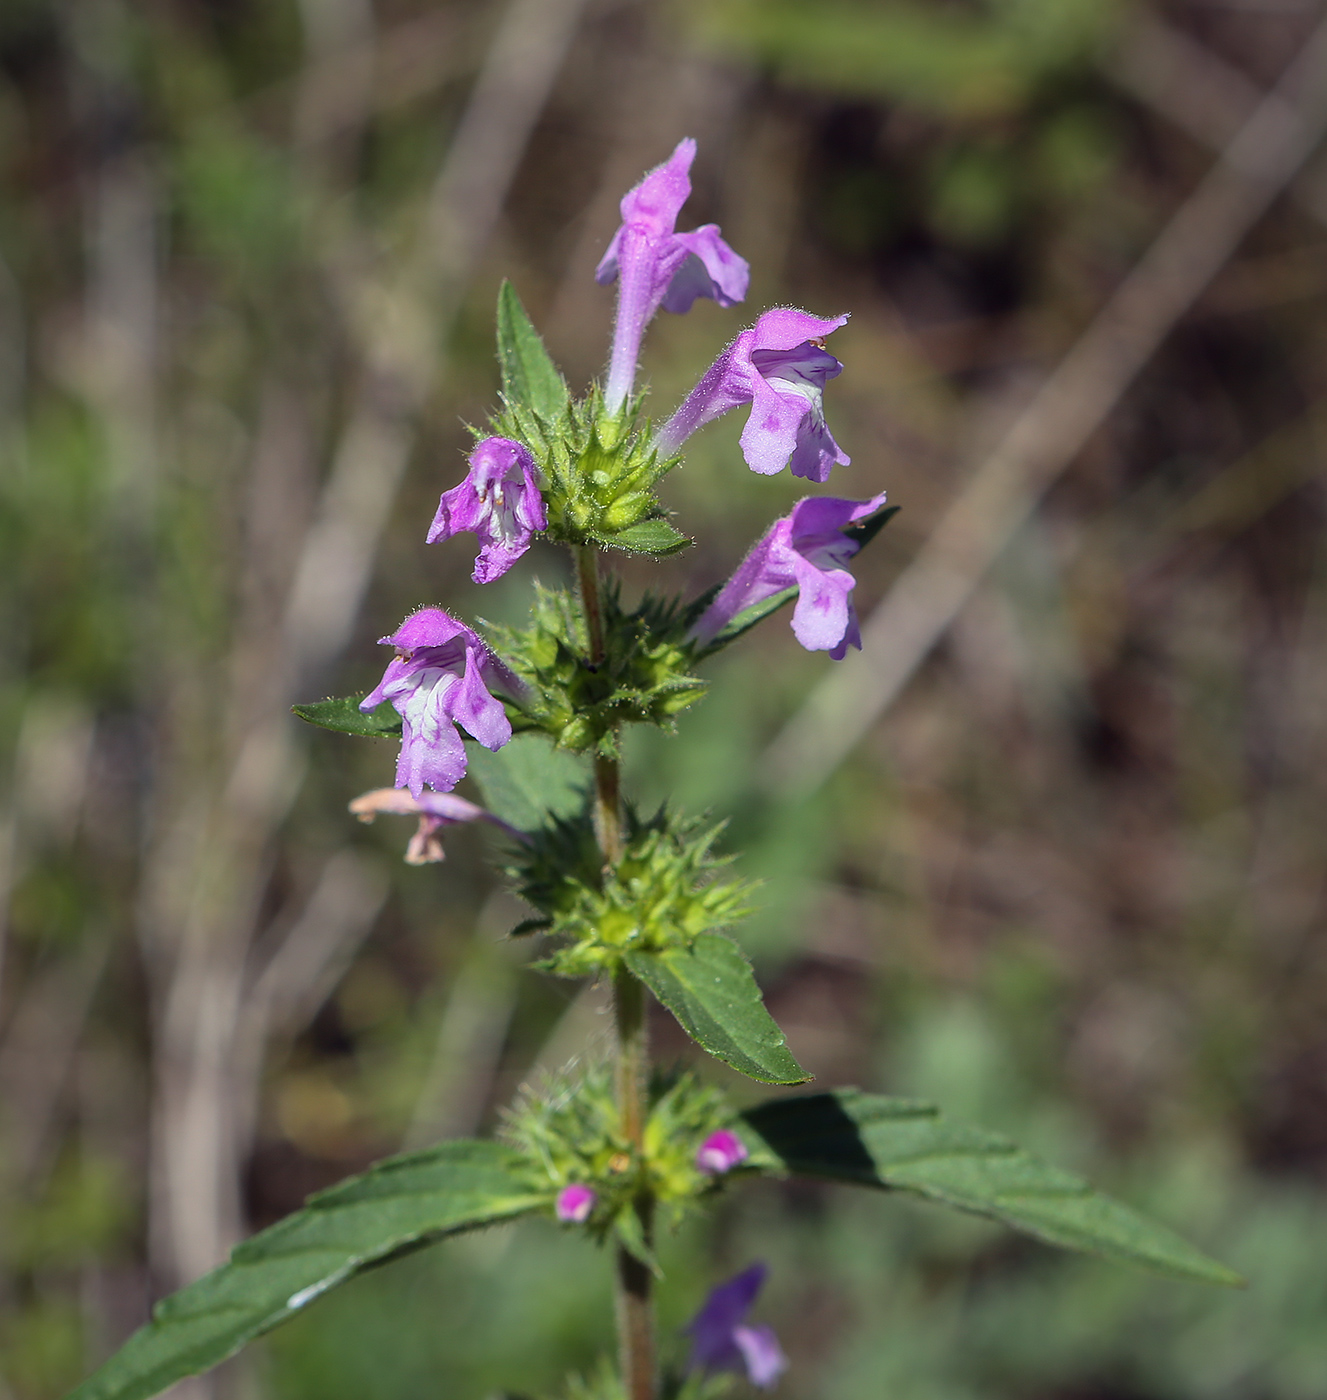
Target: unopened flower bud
<point>575,1202</point>
<point>720,1152</point>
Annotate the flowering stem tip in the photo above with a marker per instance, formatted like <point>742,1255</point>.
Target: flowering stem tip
<point>655,266</point>
<point>779,367</point>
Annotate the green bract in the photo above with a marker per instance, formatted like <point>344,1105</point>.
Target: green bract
<point>662,894</point>
<point>644,677</point>
<point>572,1128</point>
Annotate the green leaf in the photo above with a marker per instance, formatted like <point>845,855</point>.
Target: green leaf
<point>529,376</point>
<point>343,714</point>
<point>528,780</point>
<point>901,1144</point>
<point>866,530</point>
<point>631,1235</point>
<point>710,988</point>
<point>655,537</point>
<point>744,621</point>
<point>398,1206</point>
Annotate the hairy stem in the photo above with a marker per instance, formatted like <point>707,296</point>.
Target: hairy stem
<point>587,577</point>
<point>635,1303</point>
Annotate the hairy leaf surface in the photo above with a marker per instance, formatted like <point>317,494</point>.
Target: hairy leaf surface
<point>400,1205</point>
<point>529,376</point>
<point>528,781</point>
<point>710,988</point>
<point>656,537</point>
<point>871,1140</point>
<point>343,714</point>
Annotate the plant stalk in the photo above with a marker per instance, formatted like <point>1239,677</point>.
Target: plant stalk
<point>635,1283</point>
<point>587,577</point>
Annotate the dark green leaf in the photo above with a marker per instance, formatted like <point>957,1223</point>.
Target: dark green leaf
<point>871,1140</point>
<point>631,1235</point>
<point>343,715</point>
<point>529,376</point>
<point>528,926</point>
<point>747,619</point>
<point>866,530</point>
<point>398,1206</point>
<point>527,780</point>
<point>710,989</point>
<point>655,537</point>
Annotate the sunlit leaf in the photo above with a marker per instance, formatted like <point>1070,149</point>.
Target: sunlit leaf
<point>710,988</point>
<point>400,1205</point>
<point>344,715</point>
<point>529,376</point>
<point>655,537</point>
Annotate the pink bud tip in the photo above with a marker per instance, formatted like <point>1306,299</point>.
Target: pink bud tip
<point>575,1203</point>
<point>720,1152</point>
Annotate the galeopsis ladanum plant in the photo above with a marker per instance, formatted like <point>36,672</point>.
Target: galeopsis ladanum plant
<point>642,901</point>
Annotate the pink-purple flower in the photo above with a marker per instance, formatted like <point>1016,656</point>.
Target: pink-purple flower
<point>440,678</point>
<point>499,501</point>
<point>720,1152</point>
<point>779,366</point>
<point>656,266</point>
<point>435,811</point>
<point>575,1202</point>
<point>807,550</point>
<point>721,1340</point>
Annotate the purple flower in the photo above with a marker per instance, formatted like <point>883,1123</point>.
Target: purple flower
<point>806,549</point>
<point>435,810</point>
<point>720,1152</point>
<point>499,501</point>
<point>658,267</point>
<point>779,367</point>
<point>440,678</point>
<point>575,1202</point>
<point>721,1341</point>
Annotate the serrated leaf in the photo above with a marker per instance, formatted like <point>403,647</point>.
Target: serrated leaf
<point>901,1144</point>
<point>398,1206</point>
<point>343,714</point>
<point>711,990</point>
<point>866,530</point>
<point>529,376</point>
<point>655,537</point>
<point>528,780</point>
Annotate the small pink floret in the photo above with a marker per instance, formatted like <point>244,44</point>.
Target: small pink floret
<point>720,1152</point>
<point>575,1202</point>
